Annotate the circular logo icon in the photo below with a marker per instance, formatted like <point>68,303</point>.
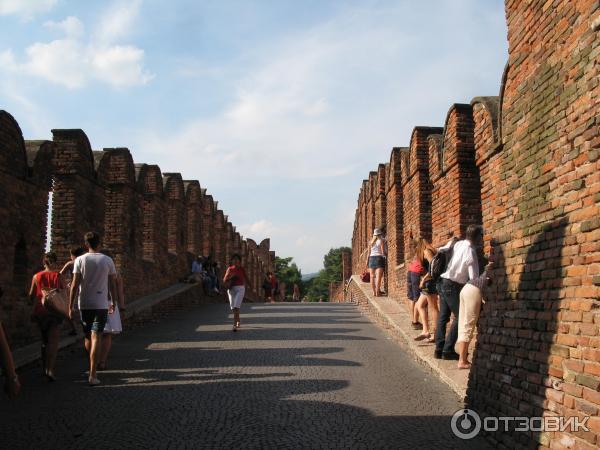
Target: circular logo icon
<point>465,424</point>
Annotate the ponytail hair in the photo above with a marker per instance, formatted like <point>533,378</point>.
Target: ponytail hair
<point>49,259</point>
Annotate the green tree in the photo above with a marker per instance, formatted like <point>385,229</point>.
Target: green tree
<point>318,287</point>
<point>287,272</point>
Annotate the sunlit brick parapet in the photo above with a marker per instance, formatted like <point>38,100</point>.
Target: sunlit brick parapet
<point>153,224</point>
<point>525,165</point>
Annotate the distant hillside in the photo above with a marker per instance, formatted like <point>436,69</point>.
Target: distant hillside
<point>309,276</point>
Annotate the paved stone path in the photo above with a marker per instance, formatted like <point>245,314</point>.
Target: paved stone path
<point>296,376</point>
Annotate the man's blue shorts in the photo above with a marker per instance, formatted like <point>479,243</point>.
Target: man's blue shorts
<point>93,320</point>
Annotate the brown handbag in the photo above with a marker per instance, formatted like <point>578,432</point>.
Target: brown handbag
<point>56,301</point>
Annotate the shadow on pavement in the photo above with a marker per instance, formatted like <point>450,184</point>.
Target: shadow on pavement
<point>234,414</point>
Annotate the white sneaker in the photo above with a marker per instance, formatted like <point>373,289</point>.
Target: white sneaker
<point>93,381</point>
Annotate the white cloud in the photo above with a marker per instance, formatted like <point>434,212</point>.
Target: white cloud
<point>330,101</point>
<point>117,21</point>
<point>26,9</point>
<point>257,229</point>
<point>120,65</point>
<point>74,60</point>
<point>59,61</point>
<point>71,27</point>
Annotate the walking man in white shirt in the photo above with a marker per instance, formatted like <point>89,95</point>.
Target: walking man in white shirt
<point>94,278</point>
<point>462,267</point>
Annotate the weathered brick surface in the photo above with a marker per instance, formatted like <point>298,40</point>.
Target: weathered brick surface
<point>23,215</point>
<point>454,176</point>
<point>525,165</point>
<point>416,187</point>
<point>153,224</point>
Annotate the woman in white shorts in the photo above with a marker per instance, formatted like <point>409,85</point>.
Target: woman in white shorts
<point>113,324</point>
<point>236,280</point>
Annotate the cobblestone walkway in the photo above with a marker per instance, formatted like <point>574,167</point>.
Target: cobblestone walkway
<point>296,376</point>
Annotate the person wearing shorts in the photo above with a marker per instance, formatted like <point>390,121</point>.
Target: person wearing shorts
<point>428,298</point>
<point>413,280</point>
<point>48,321</point>
<point>94,283</point>
<point>236,280</point>
<point>376,261</point>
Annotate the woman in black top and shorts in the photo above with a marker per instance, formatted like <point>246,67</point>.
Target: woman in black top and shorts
<point>429,296</point>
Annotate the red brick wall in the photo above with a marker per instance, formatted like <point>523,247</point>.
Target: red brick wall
<point>416,188</point>
<point>78,200</point>
<point>23,215</point>
<point>208,226</point>
<point>485,118</point>
<point>526,164</point>
<point>379,197</point>
<point>394,221</point>
<point>454,176</point>
<point>123,233</point>
<point>193,202</point>
<point>151,225</point>
<point>542,214</point>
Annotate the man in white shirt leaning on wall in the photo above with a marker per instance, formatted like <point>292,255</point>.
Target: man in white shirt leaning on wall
<point>462,267</point>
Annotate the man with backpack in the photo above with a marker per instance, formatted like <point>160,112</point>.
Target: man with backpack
<point>461,266</point>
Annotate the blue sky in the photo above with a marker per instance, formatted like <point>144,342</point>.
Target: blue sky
<point>279,108</point>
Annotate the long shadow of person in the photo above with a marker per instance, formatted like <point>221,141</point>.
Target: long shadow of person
<point>518,358</point>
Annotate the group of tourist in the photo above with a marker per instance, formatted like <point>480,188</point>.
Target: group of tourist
<point>277,291</point>
<point>447,281</point>
<point>206,272</point>
<point>89,288</point>
<point>94,292</point>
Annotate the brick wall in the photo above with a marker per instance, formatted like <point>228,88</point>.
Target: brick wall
<point>23,214</point>
<point>526,165</point>
<point>152,224</point>
<point>542,223</point>
<point>454,177</point>
<point>416,188</point>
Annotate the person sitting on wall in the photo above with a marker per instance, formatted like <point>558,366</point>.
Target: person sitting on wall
<point>215,277</point>
<point>209,278</point>
<point>196,275</point>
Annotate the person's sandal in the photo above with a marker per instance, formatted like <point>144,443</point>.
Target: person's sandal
<point>423,337</point>
<point>417,326</point>
<point>50,376</point>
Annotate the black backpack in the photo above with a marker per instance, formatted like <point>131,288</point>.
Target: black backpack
<point>440,261</point>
